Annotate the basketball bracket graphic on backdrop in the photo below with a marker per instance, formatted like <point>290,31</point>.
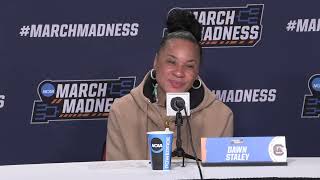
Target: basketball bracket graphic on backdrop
<point>78,99</point>
<point>229,26</point>
<point>311,103</point>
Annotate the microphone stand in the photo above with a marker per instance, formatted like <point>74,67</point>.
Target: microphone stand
<point>179,152</point>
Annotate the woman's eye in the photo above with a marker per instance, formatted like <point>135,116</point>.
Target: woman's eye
<point>171,61</point>
<point>190,65</point>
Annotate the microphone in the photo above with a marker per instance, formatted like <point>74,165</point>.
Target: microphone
<point>177,103</point>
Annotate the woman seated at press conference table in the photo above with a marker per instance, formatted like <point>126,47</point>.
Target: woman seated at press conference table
<point>175,69</point>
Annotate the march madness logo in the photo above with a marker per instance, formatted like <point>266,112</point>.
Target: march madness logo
<point>229,26</point>
<point>78,100</point>
<point>311,104</point>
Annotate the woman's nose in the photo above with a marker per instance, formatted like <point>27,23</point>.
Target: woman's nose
<point>179,71</point>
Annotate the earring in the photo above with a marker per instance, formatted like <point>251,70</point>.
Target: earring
<point>155,92</point>
<point>197,83</point>
<point>153,74</point>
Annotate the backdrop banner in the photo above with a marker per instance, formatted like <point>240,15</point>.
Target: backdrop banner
<point>62,64</point>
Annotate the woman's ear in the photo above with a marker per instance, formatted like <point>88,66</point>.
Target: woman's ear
<point>155,61</point>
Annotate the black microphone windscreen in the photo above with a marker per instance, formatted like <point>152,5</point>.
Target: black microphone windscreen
<point>177,103</point>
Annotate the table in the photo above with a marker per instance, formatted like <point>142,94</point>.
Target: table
<point>140,169</point>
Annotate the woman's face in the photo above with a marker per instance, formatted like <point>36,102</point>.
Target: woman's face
<point>177,65</point>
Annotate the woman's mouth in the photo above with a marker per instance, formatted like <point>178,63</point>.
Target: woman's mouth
<point>176,84</point>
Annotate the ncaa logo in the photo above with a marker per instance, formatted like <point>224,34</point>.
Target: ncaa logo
<point>316,84</point>
<point>47,90</point>
<point>156,145</point>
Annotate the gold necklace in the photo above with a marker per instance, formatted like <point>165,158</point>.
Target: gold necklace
<point>167,122</point>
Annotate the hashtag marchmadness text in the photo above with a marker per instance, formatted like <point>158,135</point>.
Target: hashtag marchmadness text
<point>304,25</point>
<point>79,30</point>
